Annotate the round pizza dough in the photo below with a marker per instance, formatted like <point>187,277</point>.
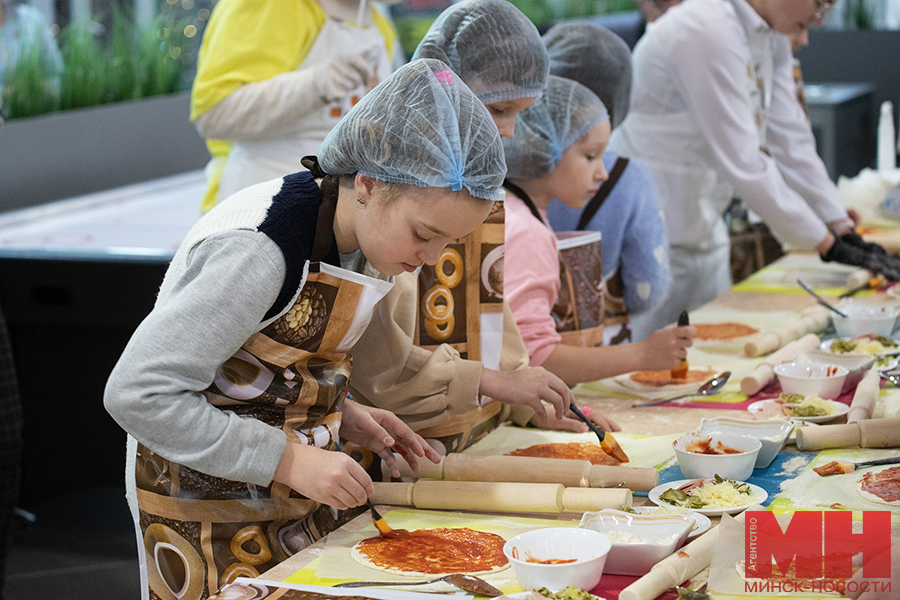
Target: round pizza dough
<point>888,476</point>
<point>571,450</point>
<point>491,542</point>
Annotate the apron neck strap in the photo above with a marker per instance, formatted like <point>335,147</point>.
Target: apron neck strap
<point>600,197</point>
<point>325,224</point>
<point>524,197</point>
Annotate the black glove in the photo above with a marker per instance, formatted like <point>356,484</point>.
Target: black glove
<point>848,254</point>
<point>853,238</point>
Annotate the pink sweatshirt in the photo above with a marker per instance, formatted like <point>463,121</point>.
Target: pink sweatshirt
<point>531,278</point>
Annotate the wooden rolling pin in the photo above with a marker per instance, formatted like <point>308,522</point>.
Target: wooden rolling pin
<point>499,497</point>
<point>864,398</point>
<point>812,319</point>
<point>871,433</point>
<point>677,568</point>
<point>527,469</point>
<point>764,373</point>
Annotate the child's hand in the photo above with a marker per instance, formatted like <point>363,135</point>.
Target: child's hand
<point>664,348</point>
<point>332,478</point>
<point>384,433</point>
<point>570,422</point>
<point>528,387</point>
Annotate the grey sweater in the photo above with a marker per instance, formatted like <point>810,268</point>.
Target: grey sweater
<point>220,289</point>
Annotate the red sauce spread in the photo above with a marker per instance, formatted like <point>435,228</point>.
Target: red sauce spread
<point>705,446</point>
<point>434,551</point>
<point>884,484</point>
<point>723,331</point>
<point>661,378</point>
<point>572,450</point>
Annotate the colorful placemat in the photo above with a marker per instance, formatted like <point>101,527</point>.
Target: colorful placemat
<point>642,450</point>
<point>785,466</point>
<point>810,491</point>
<point>828,279</point>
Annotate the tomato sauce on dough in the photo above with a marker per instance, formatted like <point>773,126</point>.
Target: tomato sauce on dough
<point>437,550</point>
<point>884,484</point>
<point>661,378</point>
<point>572,450</point>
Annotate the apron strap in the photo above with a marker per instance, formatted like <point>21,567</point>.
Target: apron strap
<point>600,197</point>
<point>523,197</point>
<point>325,223</point>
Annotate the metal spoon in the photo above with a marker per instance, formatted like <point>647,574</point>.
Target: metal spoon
<point>892,376</point>
<point>468,583</point>
<point>821,300</point>
<point>709,388</point>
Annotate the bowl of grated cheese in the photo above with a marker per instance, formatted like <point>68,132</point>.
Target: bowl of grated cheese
<point>638,541</point>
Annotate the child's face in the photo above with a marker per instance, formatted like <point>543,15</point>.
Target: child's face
<point>504,114</point>
<point>578,176</point>
<point>404,232</point>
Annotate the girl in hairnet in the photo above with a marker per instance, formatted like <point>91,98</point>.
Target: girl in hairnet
<point>626,209</point>
<point>274,77</point>
<point>499,53</point>
<point>557,152</point>
<point>713,115</point>
<point>233,389</point>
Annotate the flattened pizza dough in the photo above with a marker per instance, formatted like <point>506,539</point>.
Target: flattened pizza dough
<point>723,331</point>
<point>572,450</point>
<point>881,487</point>
<point>433,552</point>
<point>664,378</point>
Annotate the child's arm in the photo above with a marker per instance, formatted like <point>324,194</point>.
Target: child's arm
<point>663,349</point>
<point>201,318</point>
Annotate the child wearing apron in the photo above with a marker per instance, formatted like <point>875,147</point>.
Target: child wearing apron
<point>234,389</point>
<point>557,153</point>
<point>626,210</point>
<point>443,351</point>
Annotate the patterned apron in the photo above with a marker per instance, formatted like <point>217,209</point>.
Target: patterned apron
<point>199,531</point>
<point>461,304</point>
<point>579,309</point>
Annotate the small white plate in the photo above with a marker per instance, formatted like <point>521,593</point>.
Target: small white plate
<point>701,521</point>
<point>825,346</point>
<point>655,493</point>
<point>842,409</point>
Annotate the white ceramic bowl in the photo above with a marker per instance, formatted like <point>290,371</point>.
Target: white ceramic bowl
<point>858,364</point>
<point>824,381</point>
<point>865,318</point>
<point>738,466</point>
<point>772,434</point>
<point>659,535</point>
<point>589,548</point>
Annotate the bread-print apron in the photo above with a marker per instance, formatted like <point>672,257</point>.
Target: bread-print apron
<point>579,309</point>
<point>461,304</point>
<point>199,531</point>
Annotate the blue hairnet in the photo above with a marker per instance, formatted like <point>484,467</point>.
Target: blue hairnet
<point>544,130</point>
<point>596,57</point>
<point>496,50</point>
<point>422,126</point>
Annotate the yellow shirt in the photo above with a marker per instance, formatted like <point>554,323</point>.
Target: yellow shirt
<point>247,41</point>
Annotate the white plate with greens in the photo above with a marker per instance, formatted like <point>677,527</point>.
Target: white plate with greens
<point>759,496</point>
<point>840,407</point>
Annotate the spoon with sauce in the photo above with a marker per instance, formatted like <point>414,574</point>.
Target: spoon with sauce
<point>468,583</point>
<point>709,388</point>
